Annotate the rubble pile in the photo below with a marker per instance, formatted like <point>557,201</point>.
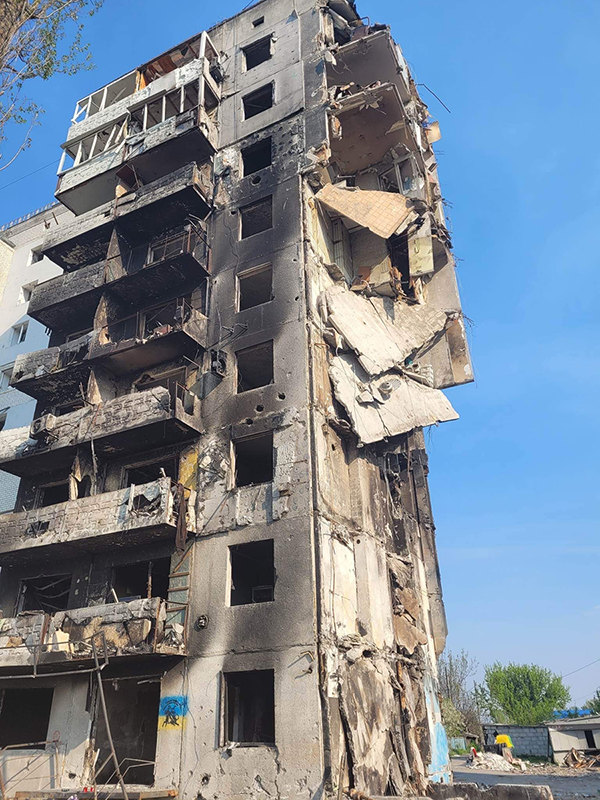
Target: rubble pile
<point>579,760</point>
<point>494,761</point>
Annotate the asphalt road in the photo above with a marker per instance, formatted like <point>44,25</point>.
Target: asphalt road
<point>562,786</point>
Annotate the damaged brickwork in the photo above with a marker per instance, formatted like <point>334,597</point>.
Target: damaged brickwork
<point>221,569</point>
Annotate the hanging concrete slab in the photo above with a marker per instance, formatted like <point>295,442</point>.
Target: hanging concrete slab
<point>386,406</point>
<point>384,213</point>
<point>382,332</point>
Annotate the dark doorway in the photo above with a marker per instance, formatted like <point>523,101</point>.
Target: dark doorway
<point>25,717</point>
<point>250,706</point>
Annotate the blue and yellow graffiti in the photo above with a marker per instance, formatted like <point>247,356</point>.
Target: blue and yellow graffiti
<point>172,712</point>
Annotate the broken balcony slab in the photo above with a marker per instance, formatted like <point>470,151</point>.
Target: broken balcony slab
<point>139,421</point>
<point>127,517</point>
<point>368,124</point>
<point>190,136</point>
<point>138,215</point>
<point>40,642</point>
<point>386,406</point>
<point>141,341</point>
<point>174,263</point>
<point>383,333</point>
<point>383,213</point>
<point>365,61</point>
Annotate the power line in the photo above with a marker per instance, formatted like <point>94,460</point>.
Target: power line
<point>29,174</point>
<point>580,668</point>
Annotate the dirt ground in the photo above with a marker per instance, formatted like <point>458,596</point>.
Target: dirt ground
<point>563,781</point>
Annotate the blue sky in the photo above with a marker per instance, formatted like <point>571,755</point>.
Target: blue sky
<point>513,481</point>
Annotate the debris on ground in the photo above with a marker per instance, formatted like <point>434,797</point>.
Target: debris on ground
<point>579,760</point>
<point>494,761</point>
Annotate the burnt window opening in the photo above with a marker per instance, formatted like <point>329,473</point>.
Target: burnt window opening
<point>254,366</point>
<point>254,459</point>
<point>84,487</point>
<point>258,101</point>
<point>399,255</point>
<point>66,408</point>
<point>25,717</point>
<point>53,494</point>
<point>190,96</point>
<point>252,572</point>
<point>255,287</point>
<point>257,156</point>
<point>133,713</point>
<point>162,319</point>
<point>147,473</point>
<point>46,593</point>
<point>256,217</point>
<point>166,380</point>
<point>257,22</point>
<point>250,707</point>
<point>257,53</point>
<point>140,580</point>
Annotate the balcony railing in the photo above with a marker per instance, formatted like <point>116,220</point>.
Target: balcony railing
<point>134,628</point>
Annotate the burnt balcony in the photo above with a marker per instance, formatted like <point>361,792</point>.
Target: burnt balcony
<point>161,205</point>
<point>41,643</point>
<point>150,125</point>
<point>176,262</point>
<point>164,414</point>
<point>140,341</point>
<point>131,516</point>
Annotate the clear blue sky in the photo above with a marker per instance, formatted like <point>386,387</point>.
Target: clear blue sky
<point>514,481</point>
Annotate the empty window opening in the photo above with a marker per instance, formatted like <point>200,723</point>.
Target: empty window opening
<point>589,738</point>
<point>257,52</point>
<point>46,593</point>
<point>254,366</point>
<point>250,707</point>
<point>26,292</point>
<point>25,717</point>
<point>210,100</point>
<point>399,255</point>
<point>258,101</point>
<point>5,376</point>
<point>254,459</point>
<point>258,21</point>
<point>167,380</point>
<point>140,580</point>
<point>84,487</point>
<point>252,572</point>
<point>255,287</point>
<point>53,494</point>
<point>190,96</point>
<point>66,408</point>
<point>257,156</point>
<point>19,333</point>
<point>146,473</point>
<point>132,709</point>
<point>257,217</point>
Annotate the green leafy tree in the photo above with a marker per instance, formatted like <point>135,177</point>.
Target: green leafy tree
<point>594,703</point>
<point>38,39</point>
<point>522,694</point>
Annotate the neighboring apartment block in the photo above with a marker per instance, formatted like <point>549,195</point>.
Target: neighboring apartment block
<point>22,267</point>
<point>221,575</point>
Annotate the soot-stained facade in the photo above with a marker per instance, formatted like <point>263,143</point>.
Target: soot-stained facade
<point>220,576</point>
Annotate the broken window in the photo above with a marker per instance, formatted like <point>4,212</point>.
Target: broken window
<point>66,408</point>
<point>46,593</point>
<point>132,708</point>
<point>250,707</point>
<point>254,459</point>
<point>166,380</point>
<point>256,217</point>
<point>210,100</point>
<point>258,101</point>
<point>53,493</point>
<point>254,366</point>
<point>257,53</point>
<point>139,580</point>
<point>25,717</point>
<point>5,376</point>
<point>152,471</point>
<point>190,96</point>
<point>163,319</point>
<point>257,156</point>
<point>19,333</point>
<point>254,287</point>
<point>252,572</point>
<point>258,21</point>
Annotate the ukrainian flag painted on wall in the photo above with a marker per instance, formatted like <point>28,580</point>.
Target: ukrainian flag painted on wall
<point>172,712</point>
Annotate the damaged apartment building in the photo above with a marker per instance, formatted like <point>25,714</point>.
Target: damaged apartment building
<point>220,576</point>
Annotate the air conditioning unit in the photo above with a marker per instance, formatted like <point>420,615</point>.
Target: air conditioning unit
<point>42,427</point>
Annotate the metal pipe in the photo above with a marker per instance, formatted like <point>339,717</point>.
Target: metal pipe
<point>106,721</point>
